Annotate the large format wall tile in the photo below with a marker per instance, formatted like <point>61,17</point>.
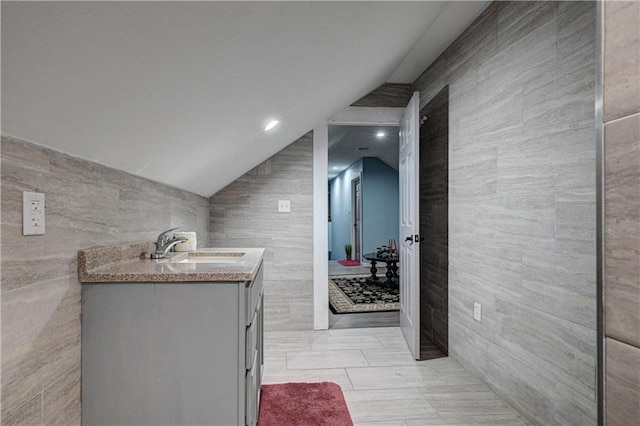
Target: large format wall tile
<point>40,339</point>
<point>520,19</point>
<point>59,405</point>
<point>244,214</point>
<point>87,205</point>
<point>30,413</point>
<point>387,95</point>
<point>517,382</point>
<point>565,351</point>
<point>522,203</point>
<point>622,229</point>
<point>622,383</point>
<point>621,59</point>
<point>562,284</point>
<point>621,96</point>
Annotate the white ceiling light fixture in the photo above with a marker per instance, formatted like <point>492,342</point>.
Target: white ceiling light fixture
<point>380,135</point>
<point>271,125</point>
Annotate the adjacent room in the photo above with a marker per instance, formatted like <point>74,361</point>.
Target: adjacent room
<point>363,224</point>
<point>344,213</point>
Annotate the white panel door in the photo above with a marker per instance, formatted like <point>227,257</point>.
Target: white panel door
<point>409,226</point>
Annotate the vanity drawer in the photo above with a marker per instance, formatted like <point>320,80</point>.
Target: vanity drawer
<point>252,392</point>
<point>253,291</point>
<point>251,341</point>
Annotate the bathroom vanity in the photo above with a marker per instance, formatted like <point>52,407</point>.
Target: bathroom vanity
<point>172,341</point>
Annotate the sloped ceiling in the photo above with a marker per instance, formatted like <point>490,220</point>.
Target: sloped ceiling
<point>348,144</point>
<point>180,92</point>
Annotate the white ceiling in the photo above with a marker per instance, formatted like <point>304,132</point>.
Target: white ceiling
<point>180,92</point>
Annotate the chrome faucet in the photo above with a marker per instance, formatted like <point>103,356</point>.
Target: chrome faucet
<point>164,244</point>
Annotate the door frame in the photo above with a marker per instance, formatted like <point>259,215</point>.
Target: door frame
<point>356,116</point>
<point>356,209</point>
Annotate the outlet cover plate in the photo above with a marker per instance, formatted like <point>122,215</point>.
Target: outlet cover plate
<point>32,213</point>
<point>284,206</point>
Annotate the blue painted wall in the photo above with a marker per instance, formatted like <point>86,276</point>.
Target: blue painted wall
<point>379,206</point>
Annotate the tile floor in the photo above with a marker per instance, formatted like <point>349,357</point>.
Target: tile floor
<point>382,384</point>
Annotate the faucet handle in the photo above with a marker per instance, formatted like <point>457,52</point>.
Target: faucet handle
<point>162,238</point>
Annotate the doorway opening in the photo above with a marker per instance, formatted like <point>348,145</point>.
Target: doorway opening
<point>363,213</point>
<point>433,321</point>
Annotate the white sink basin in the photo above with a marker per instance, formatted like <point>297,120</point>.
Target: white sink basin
<point>212,258</point>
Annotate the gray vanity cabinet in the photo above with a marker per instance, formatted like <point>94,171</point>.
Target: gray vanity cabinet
<point>172,353</point>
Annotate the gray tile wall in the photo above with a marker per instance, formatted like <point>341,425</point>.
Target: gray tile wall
<point>621,96</point>
<point>245,214</point>
<point>86,205</point>
<point>522,206</point>
<point>387,95</point>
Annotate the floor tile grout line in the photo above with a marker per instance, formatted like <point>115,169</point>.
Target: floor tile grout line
<point>330,350</point>
<point>349,377</point>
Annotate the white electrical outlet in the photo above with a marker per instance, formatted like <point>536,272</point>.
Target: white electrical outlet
<point>477,311</point>
<point>32,213</point>
<point>284,206</point>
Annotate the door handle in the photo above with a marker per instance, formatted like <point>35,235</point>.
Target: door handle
<point>410,239</point>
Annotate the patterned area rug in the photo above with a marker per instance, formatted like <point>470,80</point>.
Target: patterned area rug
<point>352,294</point>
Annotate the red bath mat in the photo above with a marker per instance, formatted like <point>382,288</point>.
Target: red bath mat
<point>349,262</point>
<point>308,404</point>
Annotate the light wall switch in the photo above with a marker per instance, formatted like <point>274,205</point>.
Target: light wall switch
<point>32,213</point>
<point>284,206</point>
<point>477,311</point>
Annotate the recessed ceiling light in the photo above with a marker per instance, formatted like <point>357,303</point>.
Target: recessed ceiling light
<point>380,134</point>
<point>335,167</point>
<point>271,125</point>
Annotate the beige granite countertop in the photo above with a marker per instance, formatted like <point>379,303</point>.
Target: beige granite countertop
<point>131,263</point>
